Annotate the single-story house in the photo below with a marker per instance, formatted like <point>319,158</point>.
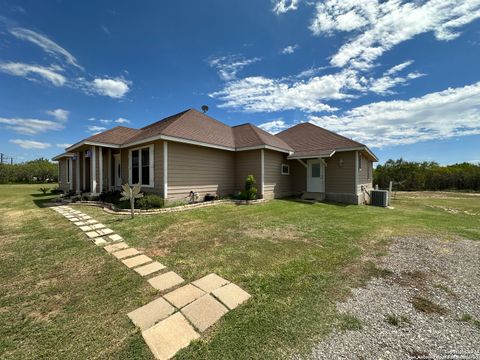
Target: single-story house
<point>191,151</point>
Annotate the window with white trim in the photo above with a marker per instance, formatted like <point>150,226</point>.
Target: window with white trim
<point>141,166</point>
<point>285,169</point>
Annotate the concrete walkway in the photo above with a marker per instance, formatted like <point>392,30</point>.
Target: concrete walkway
<point>170,322</point>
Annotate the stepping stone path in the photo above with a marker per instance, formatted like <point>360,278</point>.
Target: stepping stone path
<point>170,322</point>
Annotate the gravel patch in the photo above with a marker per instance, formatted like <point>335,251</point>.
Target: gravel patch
<point>426,307</point>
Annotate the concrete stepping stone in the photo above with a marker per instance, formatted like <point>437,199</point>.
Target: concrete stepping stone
<point>126,253</point>
<point>115,237</point>
<point>79,223</point>
<point>105,231</point>
<point>73,219</point>
<point>149,268</point>
<point>151,313</point>
<point>204,312</point>
<point>116,247</point>
<point>169,336</point>
<point>92,234</point>
<point>86,228</point>
<point>184,295</point>
<point>231,295</point>
<point>165,281</point>
<point>91,221</point>
<point>85,217</point>
<point>210,282</point>
<point>100,241</point>
<point>137,261</point>
<point>97,226</point>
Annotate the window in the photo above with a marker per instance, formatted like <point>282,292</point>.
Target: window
<point>141,166</point>
<point>69,165</point>
<point>315,170</point>
<point>359,161</point>
<point>285,169</point>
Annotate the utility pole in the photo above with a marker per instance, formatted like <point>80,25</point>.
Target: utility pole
<point>1,158</point>
<point>11,161</point>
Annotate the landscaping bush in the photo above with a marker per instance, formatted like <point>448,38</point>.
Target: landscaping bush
<point>250,192</point>
<point>112,197</point>
<point>44,190</point>
<point>150,202</point>
<point>56,191</point>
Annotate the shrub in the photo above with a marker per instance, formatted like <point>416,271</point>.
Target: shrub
<point>150,202</point>
<point>112,197</point>
<point>57,191</point>
<point>44,190</point>
<point>250,192</point>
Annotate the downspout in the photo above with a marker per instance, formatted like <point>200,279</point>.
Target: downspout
<point>100,169</point>
<point>77,175</point>
<point>93,161</point>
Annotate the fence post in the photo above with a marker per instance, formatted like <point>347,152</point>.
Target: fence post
<point>390,185</point>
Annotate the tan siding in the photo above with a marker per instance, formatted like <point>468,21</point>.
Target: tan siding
<point>247,163</point>
<point>365,174</point>
<point>298,172</point>
<point>276,185</point>
<point>200,169</point>
<point>340,178</point>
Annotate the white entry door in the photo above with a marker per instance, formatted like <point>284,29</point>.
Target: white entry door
<point>117,170</point>
<point>315,176</point>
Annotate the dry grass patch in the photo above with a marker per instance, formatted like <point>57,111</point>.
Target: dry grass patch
<point>427,306</point>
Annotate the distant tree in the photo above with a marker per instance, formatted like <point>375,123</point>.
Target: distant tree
<point>204,108</point>
<point>407,175</point>
<point>39,170</point>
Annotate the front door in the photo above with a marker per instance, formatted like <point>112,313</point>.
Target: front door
<point>315,176</point>
<point>117,170</point>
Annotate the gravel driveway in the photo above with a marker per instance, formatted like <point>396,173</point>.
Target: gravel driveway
<point>426,307</point>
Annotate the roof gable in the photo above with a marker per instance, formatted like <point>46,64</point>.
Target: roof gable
<point>309,139</point>
<point>249,135</point>
<point>115,136</point>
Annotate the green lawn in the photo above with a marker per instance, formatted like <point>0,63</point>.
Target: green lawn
<point>62,297</point>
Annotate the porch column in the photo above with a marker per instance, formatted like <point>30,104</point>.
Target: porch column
<point>77,175</point>
<point>84,182</point>
<point>109,171</point>
<point>100,169</point>
<point>262,171</point>
<point>93,161</point>
<point>165,170</point>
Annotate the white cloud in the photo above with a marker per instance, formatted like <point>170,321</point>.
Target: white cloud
<point>384,24</point>
<point>92,119</point>
<point>46,44</point>
<point>27,71</point>
<point>63,146</point>
<point>274,126</point>
<point>105,121</point>
<point>59,114</point>
<point>389,79</point>
<point>122,121</point>
<point>283,6</point>
<point>106,30</point>
<point>30,126</point>
<point>290,49</point>
<point>30,144</point>
<point>115,88</point>
<point>94,129</point>
<point>229,66</point>
<point>438,115</point>
<point>262,94</point>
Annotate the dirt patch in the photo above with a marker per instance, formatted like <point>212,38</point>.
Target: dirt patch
<point>427,306</point>
<point>287,232</point>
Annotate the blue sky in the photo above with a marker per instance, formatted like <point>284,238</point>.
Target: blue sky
<point>402,77</point>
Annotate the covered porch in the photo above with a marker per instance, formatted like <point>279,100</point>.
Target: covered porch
<point>90,169</point>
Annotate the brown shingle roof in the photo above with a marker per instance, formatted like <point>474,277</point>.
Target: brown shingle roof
<point>116,136</point>
<point>308,140</point>
<point>248,135</point>
<point>190,125</point>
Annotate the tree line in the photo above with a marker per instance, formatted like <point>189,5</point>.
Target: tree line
<point>34,171</point>
<point>417,176</point>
